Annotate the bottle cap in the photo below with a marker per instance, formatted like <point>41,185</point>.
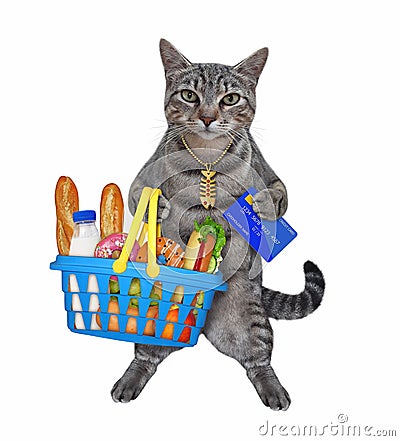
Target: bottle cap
<point>84,215</point>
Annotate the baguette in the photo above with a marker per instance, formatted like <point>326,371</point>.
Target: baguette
<point>111,211</point>
<point>67,202</point>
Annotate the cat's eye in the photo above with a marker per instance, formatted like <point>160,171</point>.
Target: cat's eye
<point>231,99</point>
<point>189,96</point>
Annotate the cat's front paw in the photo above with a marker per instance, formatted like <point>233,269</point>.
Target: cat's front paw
<point>164,208</point>
<point>270,204</point>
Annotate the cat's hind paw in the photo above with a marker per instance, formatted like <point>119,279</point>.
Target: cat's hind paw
<point>125,390</point>
<point>272,393</point>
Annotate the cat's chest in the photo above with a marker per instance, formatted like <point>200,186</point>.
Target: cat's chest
<point>185,188</point>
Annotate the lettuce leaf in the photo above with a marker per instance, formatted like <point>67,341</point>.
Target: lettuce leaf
<point>218,232</point>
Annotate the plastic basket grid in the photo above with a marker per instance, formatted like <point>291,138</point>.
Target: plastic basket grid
<point>191,281</point>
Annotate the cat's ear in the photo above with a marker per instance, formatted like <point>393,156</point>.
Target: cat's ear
<point>252,66</point>
<point>172,59</point>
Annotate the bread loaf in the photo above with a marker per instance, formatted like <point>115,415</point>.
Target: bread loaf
<point>67,202</point>
<point>111,211</point>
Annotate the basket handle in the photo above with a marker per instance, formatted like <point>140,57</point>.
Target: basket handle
<point>148,194</point>
<point>153,270</point>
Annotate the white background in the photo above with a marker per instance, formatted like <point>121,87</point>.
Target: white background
<point>82,95</point>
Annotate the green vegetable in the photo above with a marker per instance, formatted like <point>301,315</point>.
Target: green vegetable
<point>211,227</point>
<point>114,286</point>
<point>200,299</point>
<point>155,293</point>
<point>134,288</point>
<point>199,302</point>
<point>133,303</point>
<point>213,265</point>
<point>205,230</point>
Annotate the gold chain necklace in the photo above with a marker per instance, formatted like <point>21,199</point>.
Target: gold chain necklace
<point>207,182</point>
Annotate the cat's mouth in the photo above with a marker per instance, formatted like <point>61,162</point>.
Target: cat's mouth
<point>209,131</point>
<point>208,134</point>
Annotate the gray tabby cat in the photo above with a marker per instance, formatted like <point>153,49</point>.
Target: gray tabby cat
<point>209,104</point>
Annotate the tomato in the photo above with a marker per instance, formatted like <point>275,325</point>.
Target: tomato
<point>172,316</point>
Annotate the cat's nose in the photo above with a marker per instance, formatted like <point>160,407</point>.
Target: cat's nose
<point>207,120</point>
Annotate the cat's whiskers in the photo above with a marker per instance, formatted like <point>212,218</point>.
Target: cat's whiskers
<point>255,130</point>
<point>238,135</point>
<point>174,133</point>
<point>159,134</point>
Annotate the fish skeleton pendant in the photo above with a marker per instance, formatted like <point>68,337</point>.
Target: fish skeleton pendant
<point>208,189</point>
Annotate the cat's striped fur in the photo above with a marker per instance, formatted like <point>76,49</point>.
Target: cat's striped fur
<point>289,307</point>
<point>198,105</point>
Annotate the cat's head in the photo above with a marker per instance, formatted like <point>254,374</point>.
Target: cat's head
<point>210,100</point>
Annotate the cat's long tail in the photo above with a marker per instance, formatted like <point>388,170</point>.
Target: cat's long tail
<point>290,307</point>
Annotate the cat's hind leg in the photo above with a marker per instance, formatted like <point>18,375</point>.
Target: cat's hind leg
<point>237,326</point>
<point>139,372</point>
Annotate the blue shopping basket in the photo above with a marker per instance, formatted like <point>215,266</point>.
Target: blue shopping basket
<point>86,282</point>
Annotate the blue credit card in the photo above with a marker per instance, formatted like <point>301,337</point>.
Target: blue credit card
<point>268,238</point>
